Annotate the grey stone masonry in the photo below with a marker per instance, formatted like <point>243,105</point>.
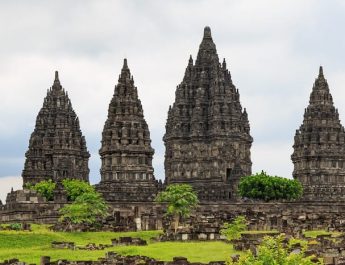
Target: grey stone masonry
<point>207,135</point>
<point>319,148</point>
<point>57,148</point>
<point>126,152</point>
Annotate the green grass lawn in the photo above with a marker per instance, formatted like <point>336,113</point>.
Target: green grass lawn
<point>30,246</point>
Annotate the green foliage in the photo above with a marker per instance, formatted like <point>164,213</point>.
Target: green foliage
<point>233,230</point>
<point>274,251</point>
<point>181,199</point>
<point>88,205</point>
<point>75,188</point>
<point>85,209</point>
<point>15,226</point>
<point>264,187</point>
<point>28,186</point>
<point>45,188</point>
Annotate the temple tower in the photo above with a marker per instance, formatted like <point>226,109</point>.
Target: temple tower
<point>126,152</point>
<point>319,148</point>
<point>207,135</point>
<point>57,148</point>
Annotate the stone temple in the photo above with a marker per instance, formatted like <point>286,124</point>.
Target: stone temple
<point>319,148</point>
<point>126,152</point>
<point>207,135</point>
<point>57,148</point>
<point>207,144</point>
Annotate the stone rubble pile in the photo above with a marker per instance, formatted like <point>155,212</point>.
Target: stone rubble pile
<point>116,259</point>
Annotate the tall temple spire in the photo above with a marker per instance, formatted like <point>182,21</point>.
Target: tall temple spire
<point>57,148</point>
<point>319,152</point>
<point>126,152</point>
<point>207,132</point>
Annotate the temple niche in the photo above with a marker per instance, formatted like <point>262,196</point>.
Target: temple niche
<point>207,135</point>
<point>126,152</point>
<point>57,148</point>
<point>319,148</point>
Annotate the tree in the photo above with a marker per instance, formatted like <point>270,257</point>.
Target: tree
<point>75,188</point>
<point>180,199</point>
<point>45,188</point>
<point>264,187</point>
<point>86,208</point>
<point>273,251</point>
<point>233,230</point>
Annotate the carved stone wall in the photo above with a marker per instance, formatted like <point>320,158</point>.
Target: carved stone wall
<point>319,148</point>
<point>126,152</point>
<point>205,222</point>
<point>207,135</point>
<point>28,206</point>
<point>57,148</point>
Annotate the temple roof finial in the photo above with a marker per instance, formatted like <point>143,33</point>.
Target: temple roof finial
<point>207,53</point>
<point>125,72</point>
<point>57,84</point>
<point>207,33</point>
<point>320,71</point>
<point>190,62</point>
<point>56,80</point>
<point>125,66</point>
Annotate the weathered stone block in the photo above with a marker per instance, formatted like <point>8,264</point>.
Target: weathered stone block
<point>184,237</point>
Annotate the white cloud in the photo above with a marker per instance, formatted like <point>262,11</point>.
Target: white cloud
<point>7,183</point>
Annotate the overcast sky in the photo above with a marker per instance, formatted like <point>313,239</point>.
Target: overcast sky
<point>273,51</point>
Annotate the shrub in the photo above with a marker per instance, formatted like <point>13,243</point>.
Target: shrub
<point>15,226</point>
<point>45,188</point>
<point>86,208</point>
<point>272,250</point>
<point>265,187</point>
<point>233,230</point>
<point>75,188</point>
